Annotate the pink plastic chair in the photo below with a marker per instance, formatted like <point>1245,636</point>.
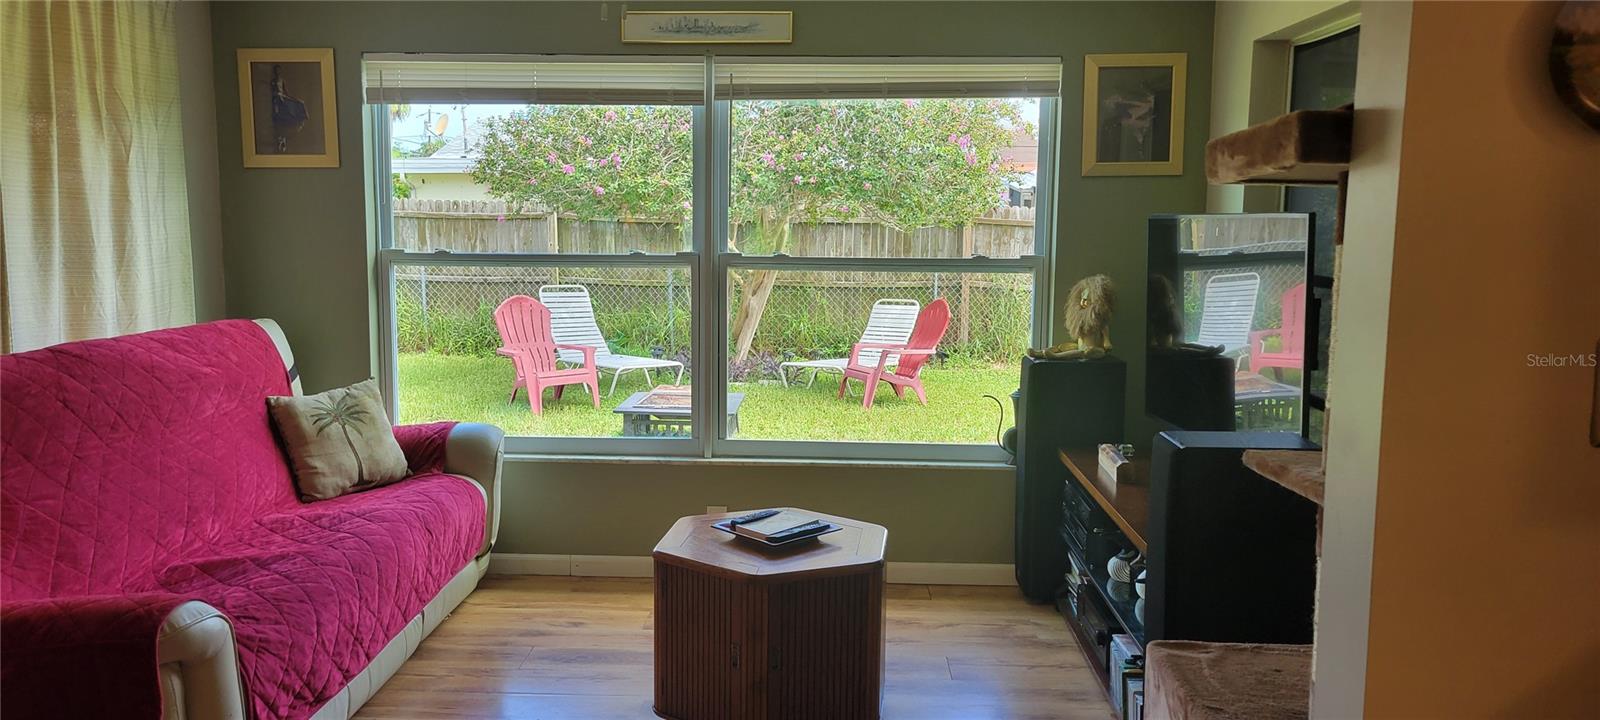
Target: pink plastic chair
<point>1292,334</point>
<point>525,337</point>
<point>925,337</point>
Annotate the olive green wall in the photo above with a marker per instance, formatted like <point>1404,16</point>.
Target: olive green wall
<point>1251,46</point>
<point>298,247</point>
<point>933,515</point>
<point>198,108</point>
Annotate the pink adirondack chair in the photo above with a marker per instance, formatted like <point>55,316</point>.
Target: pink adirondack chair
<point>1292,336</point>
<point>526,338</point>
<point>912,355</point>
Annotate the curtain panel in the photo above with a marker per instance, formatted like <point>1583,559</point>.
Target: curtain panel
<point>95,209</point>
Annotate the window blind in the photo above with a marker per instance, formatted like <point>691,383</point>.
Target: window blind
<point>449,78</point>
<point>779,78</point>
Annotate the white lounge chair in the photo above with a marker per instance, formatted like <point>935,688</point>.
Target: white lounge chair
<point>572,323</point>
<point>890,323</point>
<point>1228,312</point>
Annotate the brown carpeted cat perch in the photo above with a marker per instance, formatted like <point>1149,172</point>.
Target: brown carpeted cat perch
<point>1305,147</point>
<point>1226,681</point>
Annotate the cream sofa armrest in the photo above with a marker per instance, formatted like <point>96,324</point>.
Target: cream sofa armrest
<point>477,451</point>
<point>199,665</point>
<point>281,342</point>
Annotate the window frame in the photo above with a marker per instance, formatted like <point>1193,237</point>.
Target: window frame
<point>709,257</point>
<point>1316,283</point>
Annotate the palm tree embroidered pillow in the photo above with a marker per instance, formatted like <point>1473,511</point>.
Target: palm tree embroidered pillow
<point>339,441</point>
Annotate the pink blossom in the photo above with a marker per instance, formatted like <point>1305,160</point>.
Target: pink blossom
<point>602,162</point>
<point>767,158</point>
<point>500,218</point>
<point>611,115</point>
<point>965,141</point>
<point>953,138</point>
<point>799,156</point>
<point>585,140</point>
<point>994,166</point>
<point>551,156</point>
<point>568,168</point>
<point>616,159</point>
<point>533,181</point>
<point>798,179</point>
<point>683,127</point>
<point>910,102</point>
<point>687,206</point>
<point>866,186</point>
<point>598,191</point>
<point>971,158</point>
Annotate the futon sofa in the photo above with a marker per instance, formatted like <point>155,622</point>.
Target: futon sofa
<point>156,560</point>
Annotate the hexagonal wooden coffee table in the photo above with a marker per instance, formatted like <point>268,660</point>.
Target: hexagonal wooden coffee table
<point>745,631</point>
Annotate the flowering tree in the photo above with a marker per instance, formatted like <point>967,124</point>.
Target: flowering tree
<point>903,163</point>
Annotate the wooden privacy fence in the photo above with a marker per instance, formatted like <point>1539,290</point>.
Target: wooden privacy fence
<point>490,226</point>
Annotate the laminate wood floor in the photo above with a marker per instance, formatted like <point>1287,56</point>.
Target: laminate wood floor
<point>559,648</point>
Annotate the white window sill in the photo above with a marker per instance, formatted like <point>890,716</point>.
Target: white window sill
<point>754,461</point>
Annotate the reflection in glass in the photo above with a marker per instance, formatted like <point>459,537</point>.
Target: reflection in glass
<point>1225,322</point>
<point>1135,114</point>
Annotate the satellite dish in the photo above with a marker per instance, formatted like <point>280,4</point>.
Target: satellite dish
<point>440,124</point>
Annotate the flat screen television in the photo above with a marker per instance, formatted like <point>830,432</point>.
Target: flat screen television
<point>1225,331</point>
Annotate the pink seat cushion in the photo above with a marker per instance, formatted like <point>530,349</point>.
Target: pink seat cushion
<point>316,592</point>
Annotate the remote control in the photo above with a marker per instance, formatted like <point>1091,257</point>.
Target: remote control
<point>752,517</point>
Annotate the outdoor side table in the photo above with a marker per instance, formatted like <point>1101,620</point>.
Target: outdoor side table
<point>1265,404</point>
<point>665,412</point>
<point>745,631</point>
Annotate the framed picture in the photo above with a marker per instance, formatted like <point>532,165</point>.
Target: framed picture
<point>708,27</point>
<point>1133,114</point>
<point>287,115</point>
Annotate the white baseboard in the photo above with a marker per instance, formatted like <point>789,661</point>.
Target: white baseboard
<point>575,565</point>
<point>917,573</point>
<point>906,573</point>
<point>521,564</point>
<point>622,566</point>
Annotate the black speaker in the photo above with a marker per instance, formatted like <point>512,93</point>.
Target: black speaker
<point>1065,403</point>
<point>1233,555</point>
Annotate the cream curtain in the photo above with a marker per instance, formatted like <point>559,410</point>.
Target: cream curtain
<point>95,209</point>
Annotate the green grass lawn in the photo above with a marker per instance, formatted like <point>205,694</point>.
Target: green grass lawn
<point>456,387</point>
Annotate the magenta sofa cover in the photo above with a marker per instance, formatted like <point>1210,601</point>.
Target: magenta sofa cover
<point>141,472</point>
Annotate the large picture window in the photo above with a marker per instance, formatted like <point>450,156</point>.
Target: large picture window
<point>690,256</point>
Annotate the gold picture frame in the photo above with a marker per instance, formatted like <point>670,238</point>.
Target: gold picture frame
<point>707,27</point>
<point>288,116</point>
<point>1133,111</point>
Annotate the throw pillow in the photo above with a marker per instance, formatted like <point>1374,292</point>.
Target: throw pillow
<point>338,441</point>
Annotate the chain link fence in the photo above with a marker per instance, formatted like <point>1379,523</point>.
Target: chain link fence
<point>646,311</point>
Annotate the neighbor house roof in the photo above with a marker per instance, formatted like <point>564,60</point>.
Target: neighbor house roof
<point>432,165</point>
